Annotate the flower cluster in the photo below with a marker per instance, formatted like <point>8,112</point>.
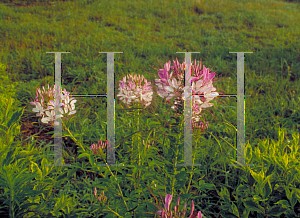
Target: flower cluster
<point>202,126</point>
<point>102,198</point>
<point>48,114</point>
<point>167,213</point>
<point>134,91</point>
<point>100,146</point>
<point>147,144</point>
<point>171,84</point>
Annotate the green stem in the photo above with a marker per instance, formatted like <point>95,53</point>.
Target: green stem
<point>7,137</point>
<point>191,176</point>
<point>121,193</point>
<point>11,208</point>
<point>112,211</point>
<point>137,141</point>
<point>176,157</point>
<point>77,142</point>
<point>139,138</point>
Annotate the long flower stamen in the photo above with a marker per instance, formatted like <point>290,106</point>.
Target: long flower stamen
<point>48,114</point>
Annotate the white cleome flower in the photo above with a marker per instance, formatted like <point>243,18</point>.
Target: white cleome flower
<point>51,117</point>
<point>126,96</point>
<point>38,108</point>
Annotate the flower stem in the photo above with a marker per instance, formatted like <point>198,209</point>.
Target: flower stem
<point>77,142</point>
<point>176,157</point>
<point>187,191</point>
<point>112,211</point>
<point>138,128</point>
<point>121,193</point>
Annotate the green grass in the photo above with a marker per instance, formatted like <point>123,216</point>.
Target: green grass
<point>149,33</point>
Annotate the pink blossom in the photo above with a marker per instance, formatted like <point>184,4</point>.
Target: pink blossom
<point>135,91</point>
<point>167,213</point>
<point>171,84</point>
<point>95,147</point>
<point>49,96</point>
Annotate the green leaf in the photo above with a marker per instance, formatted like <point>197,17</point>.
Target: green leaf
<point>135,194</point>
<point>257,176</point>
<point>154,124</point>
<point>266,187</point>
<point>71,172</point>
<point>106,173</point>
<point>181,184</point>
<point>121,140</point>
<point>184,197</point>
<point>83,155</point>
<point>36,170</point>
<point>294,199</point>
<point>3,128</point>
<point>46,169</point>
<point>234,210</point>
<point>248,151</point>
<point>21,179</point>
<point>181,175</point>
<point>224,194</point>
<point>24,206</point>
<point>15,117</point>
<point>8,158</point>
<point>291,176</point>
<point>61,203</point>
<point>283,203</point>
<point>26,154</point>
<point>62,176</point>
<point>203,185</point>
<point>92,160</point>
<point>285,161</point>
<point>7,109</point>
<point>250,205</point>
<point>276,211</point>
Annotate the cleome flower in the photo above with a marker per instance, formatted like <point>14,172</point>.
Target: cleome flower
<point>95,147</point>
<point>48,114</point>
<point>166,212</point>
<point>102,198</point>
<point>134,91</point>
<point>171,84</point>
